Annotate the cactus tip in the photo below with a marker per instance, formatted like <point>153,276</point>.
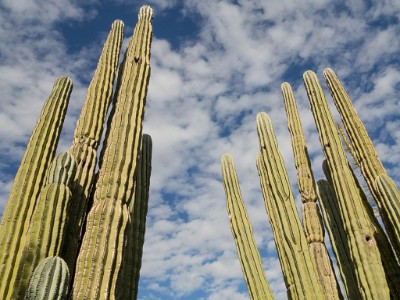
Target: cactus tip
<point>117,23</point>
<point>146,13</point>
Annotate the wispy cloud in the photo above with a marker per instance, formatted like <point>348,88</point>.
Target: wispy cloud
<point>203,97</point>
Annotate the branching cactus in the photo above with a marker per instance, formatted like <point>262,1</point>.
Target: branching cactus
<point>312,221</point>
<point>367,157</point>
<point>364,252</point>
<point>47,227</point>
<point>299,271</point>
<point>128,279</point>
<point>49,280</point>
<point>99,261</point>
<point>87,137</point>
<point>242,231</point>
<point>31,177</point>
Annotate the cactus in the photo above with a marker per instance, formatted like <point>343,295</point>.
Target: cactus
<point>242,231</point>
<point>300,274</point>
<point>365,255</point>
<point>366,157</point>
<point>87,137</point>
<point>312,222</point>
<point>99,260</point>
<point>47,227</point>
<point>128,279</point>
<point>30,177</point>
<point>49,280</point>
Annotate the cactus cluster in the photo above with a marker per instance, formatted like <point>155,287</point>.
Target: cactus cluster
<point>367,258</point>
<point>65,233</point>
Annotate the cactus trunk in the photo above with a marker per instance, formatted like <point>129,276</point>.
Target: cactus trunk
<point>242,231</point>
<point>312,221</point>
<point>87,137</point>
<point>364,252</point>
<point>31,177</point>
<point>99,260</point>
<point>299,271</point>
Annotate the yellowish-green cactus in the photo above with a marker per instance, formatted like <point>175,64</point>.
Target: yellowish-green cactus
<point>47,227</point>
<point>312,221</point>
<point>31,177</point>
<point>300,274</point>
<point>99,261</point>
<point>87,137</point>
<point>367,157</point>
<point>364,253</point>
<point>242,231</point>
<point>128,279</point>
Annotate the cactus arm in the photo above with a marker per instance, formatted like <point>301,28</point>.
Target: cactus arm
<point>128,279</point>
<point>366,156</point>
<point>49,280</point>
<point>87,137</point>
<point>312,221</point>
<point>242,232</point>
<point>365,255</point>
<point>298,269</point>
<point>30,177</point>
<point>99,260</point>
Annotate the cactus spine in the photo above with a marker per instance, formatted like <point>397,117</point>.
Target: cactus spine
<point>312,221</point>
<point>99,260</point>
<point>30,177</point>
<point>364,252</point>
<point>49,280</point>
<point>87,137</point>
<point>300,274</point>
<point>47,228</point>
<point>242,231</point>
<point>367,157</point>
<point>128,279</point>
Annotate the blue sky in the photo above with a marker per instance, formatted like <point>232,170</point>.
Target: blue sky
<point>215,65</point>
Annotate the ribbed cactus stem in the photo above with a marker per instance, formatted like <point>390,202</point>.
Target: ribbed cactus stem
<point>364,252</point>
<point>47,227</point>
<point>334,224</point>
<point>87,137</point>
<point>300,274</point>
<point>367,157</point>
<point>312,221</point>
<point>128,280</point>
<point>30,177</point>
<point>49,281</point>
<point>242,232</point>
<point>99,261</point>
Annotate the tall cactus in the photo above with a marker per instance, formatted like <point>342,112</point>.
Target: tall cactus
<point>46,231</point>
<point>128,279</point>
<point>367,157</point>
<point>242,231</point>
<point>99,260</point>
<point>49,280</point>
<point>312,221</point>
<point>364,252</point>
<point>300,274</point>
<point>87,137</point>
<point>30,177</point>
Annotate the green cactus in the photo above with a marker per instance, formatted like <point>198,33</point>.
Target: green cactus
<point>99,261</point>
<point>312,221</point>
<point>30,177</point>
<point>128,279</point>
<point>300,274</point>
<point>366,157</point>
<point>87,137</point>
<point>365,255</point>
<point>49,280</point>
<point>47,228</point>
<point>242,231</point>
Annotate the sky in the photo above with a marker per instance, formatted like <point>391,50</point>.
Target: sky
<point>215,65</point>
